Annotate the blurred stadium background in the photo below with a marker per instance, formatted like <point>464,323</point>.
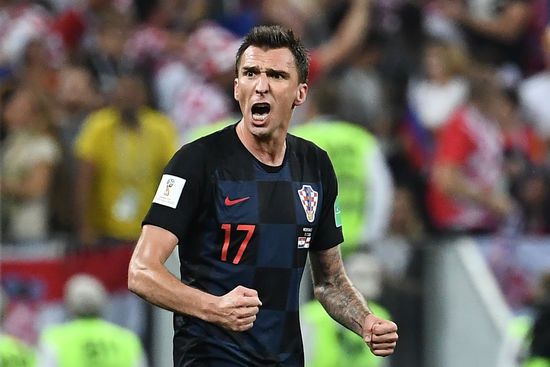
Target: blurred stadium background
<point>452,194</point>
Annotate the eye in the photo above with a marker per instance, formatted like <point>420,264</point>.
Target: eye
<point>249,74</point>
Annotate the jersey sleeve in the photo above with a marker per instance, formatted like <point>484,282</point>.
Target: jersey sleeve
<point>180,190</point>
<point>329,231</point>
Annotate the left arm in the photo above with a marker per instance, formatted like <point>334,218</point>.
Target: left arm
<point>506,27</point>
<point>346,305</point>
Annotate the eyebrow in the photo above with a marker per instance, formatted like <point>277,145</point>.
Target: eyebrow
<point>268,71</point>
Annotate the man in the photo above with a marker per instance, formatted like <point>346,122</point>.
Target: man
<point>244,205</point>
<point>121,151</point>
<point>88,340</point>
<point>465,191</point>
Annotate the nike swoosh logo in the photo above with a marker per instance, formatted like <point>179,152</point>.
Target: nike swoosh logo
<point>229,202</point>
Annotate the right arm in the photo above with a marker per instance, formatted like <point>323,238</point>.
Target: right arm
<point>149,278</point>
<point>450,180</point>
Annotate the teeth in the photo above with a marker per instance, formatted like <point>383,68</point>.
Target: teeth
<point>259,117</point>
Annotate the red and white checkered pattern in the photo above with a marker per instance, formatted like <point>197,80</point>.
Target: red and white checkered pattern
<point>309,199</point>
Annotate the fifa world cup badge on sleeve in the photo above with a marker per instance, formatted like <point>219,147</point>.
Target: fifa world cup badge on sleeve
<point>337,213</point>
<point>169,191</point>
<point>309,199</point>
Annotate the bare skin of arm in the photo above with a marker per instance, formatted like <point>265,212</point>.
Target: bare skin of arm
<point>346,305</point>
<point>507,27</point>
<point>452,182</point>
<point>149,278</point>
<point>35,185</point>
<point>347,36</point>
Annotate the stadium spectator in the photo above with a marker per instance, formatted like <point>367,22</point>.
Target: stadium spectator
<point>87,339</point>
<point>204,97</point>
<point>121,151</point>
<point>76,98</point>
<point>442,87</point>
<point>466,187</point>
<point>432,97</point>
<point>30,155</point>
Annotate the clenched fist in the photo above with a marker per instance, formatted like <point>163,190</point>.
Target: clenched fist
<point>380,335</point>
<point>237,309</point>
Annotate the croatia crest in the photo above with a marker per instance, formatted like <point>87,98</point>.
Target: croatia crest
<point>309,199</point>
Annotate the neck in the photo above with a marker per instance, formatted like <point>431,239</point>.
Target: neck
<point>269,151</point>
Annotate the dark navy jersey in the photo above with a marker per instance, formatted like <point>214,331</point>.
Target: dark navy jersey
<point>240,222</point>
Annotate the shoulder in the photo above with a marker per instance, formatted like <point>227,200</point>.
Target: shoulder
<point>219,139</point>
<point>52,333</point>
<point>98,122</point>
<point>119,331</point>
<point>305,147</point>
<point>310,154</point>
<point>157,119</point>
<point>102,117</point>
<point>207,148</point>
<point>335,135</point>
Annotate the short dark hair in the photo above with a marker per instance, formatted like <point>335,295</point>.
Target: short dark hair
<point>272,37</point>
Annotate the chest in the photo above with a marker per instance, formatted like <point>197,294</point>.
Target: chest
<point>269,218</point>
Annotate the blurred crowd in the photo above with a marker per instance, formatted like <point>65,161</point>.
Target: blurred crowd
<point>451,95</point>
<point>99,93</point>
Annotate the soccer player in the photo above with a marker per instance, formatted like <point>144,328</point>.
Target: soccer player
<point>246,205</point>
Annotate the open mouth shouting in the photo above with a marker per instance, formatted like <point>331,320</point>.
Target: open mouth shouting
<point>260,111</point>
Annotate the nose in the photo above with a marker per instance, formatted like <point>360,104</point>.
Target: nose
<point>263,84</point>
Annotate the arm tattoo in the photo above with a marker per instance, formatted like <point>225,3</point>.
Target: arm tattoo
<point>334,290</point>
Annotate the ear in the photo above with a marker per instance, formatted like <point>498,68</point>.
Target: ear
<point>301,94</point>
<point>236,89</point>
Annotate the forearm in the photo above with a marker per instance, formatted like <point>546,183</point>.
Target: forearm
<point>346,305</point>
<point>348,36</point>
<point>453,183</point>
<point>34,186</point>
<point>343,303</point>
<point>335,292</point>
<point>161,288</point>
<point>506,28</point>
